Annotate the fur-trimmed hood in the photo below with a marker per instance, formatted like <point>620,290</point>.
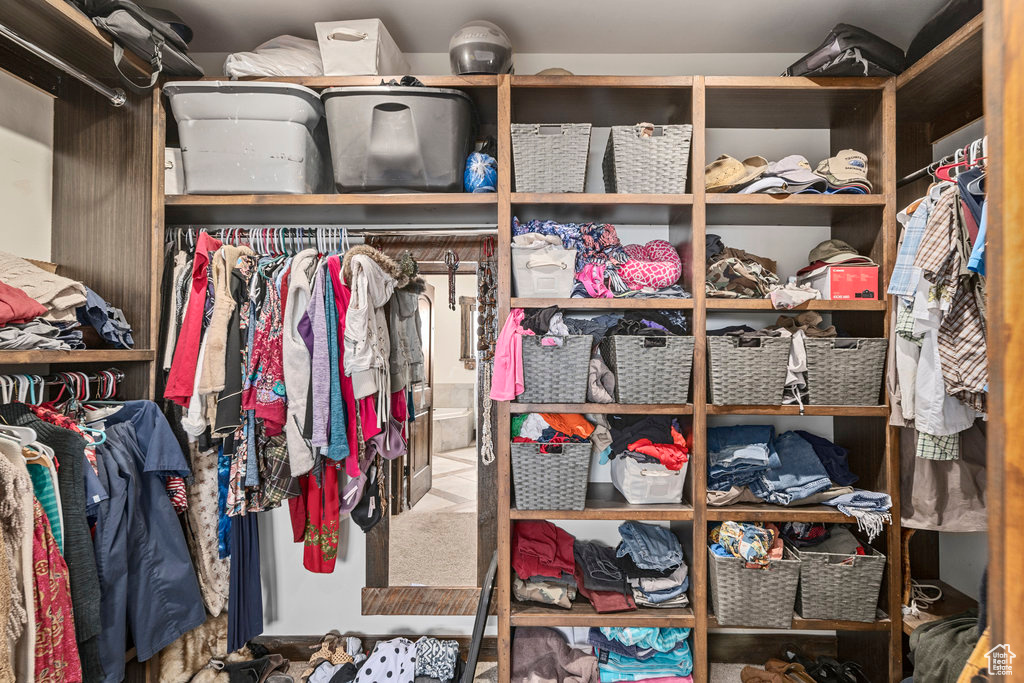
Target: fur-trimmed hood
<point>386,263</point>
<point>417,285</point>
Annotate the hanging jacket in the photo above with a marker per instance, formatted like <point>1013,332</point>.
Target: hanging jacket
<point>367,343</point>
<point>406,339</point>
<point>297,361</point>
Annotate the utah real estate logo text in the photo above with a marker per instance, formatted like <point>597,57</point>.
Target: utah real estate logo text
<point>1000,660</point>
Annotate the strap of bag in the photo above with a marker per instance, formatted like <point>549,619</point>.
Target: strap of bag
<point>156,64</point>
<point>540,262</point>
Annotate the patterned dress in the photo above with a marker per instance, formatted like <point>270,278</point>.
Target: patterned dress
<point>56,650</point>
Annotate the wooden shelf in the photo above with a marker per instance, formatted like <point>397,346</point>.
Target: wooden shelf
<point>944,88</point>
<point>952,602</point>
<point>317,82</point>
<point>605,408</point>
<point>624,209</point>
<point>765,512</point>
<point>605,502</point>
<point>713,304</point>
<point>789,209</point>
<point>801,624</point>
<point>437,207</point>
<point>62,30</point>
<point>785,102</point>
<point>836,411</point>
<point>605,304</point>
<point>80,356</point>
<point>583,614</point>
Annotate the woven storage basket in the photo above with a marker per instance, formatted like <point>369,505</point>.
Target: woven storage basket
<point>840,376</point>
<point>550,157</point>
<point>653,165</point>
<point>550,481</point>
<point>838,586</point>
<point>556,374</point>
<point>747,375</point>
<point>754,597</point>
<point>649,369</point>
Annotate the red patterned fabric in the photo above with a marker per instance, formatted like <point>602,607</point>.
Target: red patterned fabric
<point>56,651</point>
<point>655,264</point>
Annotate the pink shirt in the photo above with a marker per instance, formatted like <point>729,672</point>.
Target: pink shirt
<point>507,382</point>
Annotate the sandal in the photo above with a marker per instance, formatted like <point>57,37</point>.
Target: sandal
<point>331,649</point>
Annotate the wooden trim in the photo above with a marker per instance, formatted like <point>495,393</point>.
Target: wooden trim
<point>409,199</point>
<point>425,600</point>
<point>540,199</point>
<point>156,209</point>
<point>602,81</point>
<point>832,200</point>
<point>604,408</point>
<point>801,624</point>
<point>793,83</point>
<point>838,411</point>
<point>583,614</point>
<point>1004,100</point>
<point>299,648</point>
<point>763,512</point>
<point>81,356</point>
<point>604,304</point>
<point>873,305</point>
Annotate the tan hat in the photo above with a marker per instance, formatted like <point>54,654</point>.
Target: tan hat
<point>726,173</point>
<point>834,251</point>
<point>847,166</point>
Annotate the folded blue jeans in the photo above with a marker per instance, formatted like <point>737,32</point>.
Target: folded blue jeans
<point>800,475</point>
<point>650,546</point>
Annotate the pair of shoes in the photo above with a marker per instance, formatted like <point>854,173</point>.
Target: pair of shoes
<point>331,649</point>
<point>827,669</point>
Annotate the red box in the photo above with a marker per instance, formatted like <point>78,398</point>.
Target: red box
<point>846,282</point>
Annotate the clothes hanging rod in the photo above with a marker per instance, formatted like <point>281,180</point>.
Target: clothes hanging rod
<point>405,230</point>
<point>116,96</point>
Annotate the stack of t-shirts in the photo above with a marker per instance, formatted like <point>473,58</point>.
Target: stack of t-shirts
<point>652,559</point>
<point>643,654</point>
<point>542,559</point>
<point>59,295</point>
<point>599,578</point>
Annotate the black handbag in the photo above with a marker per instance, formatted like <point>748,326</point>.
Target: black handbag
<point>850,51</point>
<point>158,36</point>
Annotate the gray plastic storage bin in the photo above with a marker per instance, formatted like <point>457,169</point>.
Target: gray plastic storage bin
<point>250,138</point>
<point>386,138</point>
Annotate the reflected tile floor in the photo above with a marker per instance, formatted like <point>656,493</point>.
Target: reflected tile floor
<point>453,483</point>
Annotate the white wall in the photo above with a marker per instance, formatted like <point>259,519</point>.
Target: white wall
<point>26,167</point>
<point>448,369</point>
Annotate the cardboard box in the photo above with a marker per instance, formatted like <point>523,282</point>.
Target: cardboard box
<point>845,282</point>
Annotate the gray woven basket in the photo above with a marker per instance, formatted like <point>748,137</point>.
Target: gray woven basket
<point>839,376</point>
<point>649,369</point>
<point>550,481</point>
<point>747,375</point>
<point>837,586</point>
<point>550,157</point>
<point>754,597</point>
<point>653,165</point>
<point>556,374</point>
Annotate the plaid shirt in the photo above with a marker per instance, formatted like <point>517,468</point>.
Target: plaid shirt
<point>932,447</point>
<point>905,274</point>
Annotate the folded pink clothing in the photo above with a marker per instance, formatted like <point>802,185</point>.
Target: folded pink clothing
<point>592,277</point>
<point>667,679</point>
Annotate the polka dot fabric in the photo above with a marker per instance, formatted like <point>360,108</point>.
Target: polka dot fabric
<point>392,661</point>
<point>655,264</point>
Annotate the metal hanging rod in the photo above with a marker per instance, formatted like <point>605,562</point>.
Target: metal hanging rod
<point>403,230</point>
<point>116,96</point>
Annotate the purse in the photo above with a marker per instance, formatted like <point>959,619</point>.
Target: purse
<point>850,51</point>
<point>389,444</point>
<point>158,36</point>
<point>370,509</point>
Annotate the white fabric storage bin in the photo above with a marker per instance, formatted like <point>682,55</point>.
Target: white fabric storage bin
<point>250,138</point>
<point>359,47</point>
<point>547,272</point>
<point>647,483</point>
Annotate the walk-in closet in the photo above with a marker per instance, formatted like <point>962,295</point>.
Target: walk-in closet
<point>561,343</point>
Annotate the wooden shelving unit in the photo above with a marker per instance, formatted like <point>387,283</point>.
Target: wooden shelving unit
<point>81,356</point>
<point>858,113</point>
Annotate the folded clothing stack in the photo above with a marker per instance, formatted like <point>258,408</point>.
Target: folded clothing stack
<point>542,559</point>
<point>437,661</point>
<point>652,559</point>
<point>42,310</point>
<point>642,654</point>
<point>600,578</point>
<point>823,538</point>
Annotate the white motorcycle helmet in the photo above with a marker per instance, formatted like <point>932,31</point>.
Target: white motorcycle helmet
<point>480,47</point>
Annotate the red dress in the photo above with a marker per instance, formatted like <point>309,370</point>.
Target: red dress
<point>56,650</point>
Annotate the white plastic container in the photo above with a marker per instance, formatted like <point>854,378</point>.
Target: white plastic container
<point>174,173</point>
<point>543,272</point>
<point>647,483</point>
<point>250,138</point>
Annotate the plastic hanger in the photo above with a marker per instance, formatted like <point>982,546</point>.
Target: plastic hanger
<point>23,435</point>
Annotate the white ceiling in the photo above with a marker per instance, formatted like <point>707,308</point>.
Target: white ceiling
<point>565,26</point>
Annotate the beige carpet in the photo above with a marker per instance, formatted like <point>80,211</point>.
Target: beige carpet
<point>726,673</point>
<point>433,549</point>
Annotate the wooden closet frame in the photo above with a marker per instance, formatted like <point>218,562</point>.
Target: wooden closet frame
<point>109,213</point>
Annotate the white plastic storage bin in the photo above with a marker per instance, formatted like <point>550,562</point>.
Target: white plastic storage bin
<point>250,138</point>
<point>386,138</point>
<point>547,273</point>
<point>641,483</point>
